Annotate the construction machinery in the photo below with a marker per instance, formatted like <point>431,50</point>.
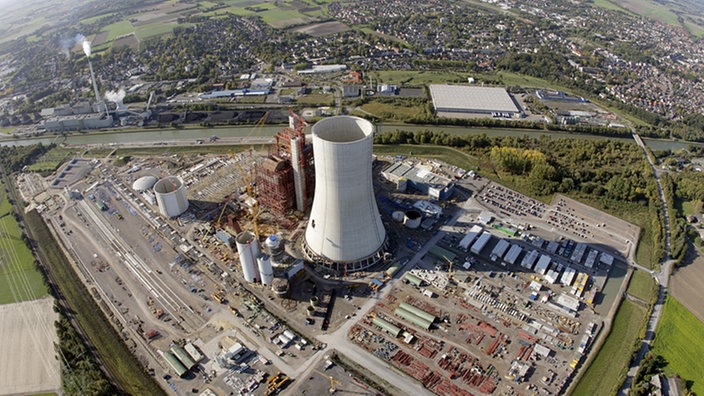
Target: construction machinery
<point>219,296</point>
<point>275,383</point>
<point>332,381</point>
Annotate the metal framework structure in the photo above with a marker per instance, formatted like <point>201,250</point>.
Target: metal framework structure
<point>285,180</point>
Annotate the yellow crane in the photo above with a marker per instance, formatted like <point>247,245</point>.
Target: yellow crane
<point>250,193</point>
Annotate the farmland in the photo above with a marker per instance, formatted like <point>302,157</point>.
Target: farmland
<point>680,340</point>
<point>19,279</point>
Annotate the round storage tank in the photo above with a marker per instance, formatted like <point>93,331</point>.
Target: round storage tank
<point>397,216</point>
<point>144,183</point>
<point>248,249</point>
<point>274,246</point>
<point>266,272</point>
<point>412,219</point>
<point>171,196</point>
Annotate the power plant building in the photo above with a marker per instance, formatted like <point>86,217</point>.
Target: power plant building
<point>419,178</point>
<point>170,195</point>
<point>345,231</point>
<point>456,100</point>
<point>285,179</point>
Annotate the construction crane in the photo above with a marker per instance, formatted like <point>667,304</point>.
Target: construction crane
<point>332,381</point>
<point>250,193</point>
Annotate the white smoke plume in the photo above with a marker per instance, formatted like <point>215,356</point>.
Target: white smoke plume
<point>115,96</point>
<point>68,43</point>
<point>85,43</point>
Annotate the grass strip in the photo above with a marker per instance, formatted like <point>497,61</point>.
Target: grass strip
<point>608,370</point>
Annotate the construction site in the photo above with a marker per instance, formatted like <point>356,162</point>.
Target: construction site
<point>241,272</point>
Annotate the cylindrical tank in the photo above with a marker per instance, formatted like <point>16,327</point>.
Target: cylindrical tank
<point>171,196</point>
<point>274,246</point>
<point>266,272</point>
<point>248,249</point>
<point>344,226</point>
<point>397,216</point>
<point>412,219</point>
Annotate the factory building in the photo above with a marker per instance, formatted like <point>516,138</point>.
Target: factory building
<point>323,69</point>
<point>78,122</point>
<point>345,231</point>
<point>419,178</point>
<point>170,195</point>
<point>456,100</point>
<point>285,180</point>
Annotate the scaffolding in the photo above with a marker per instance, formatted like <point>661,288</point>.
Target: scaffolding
<point>286,176</point>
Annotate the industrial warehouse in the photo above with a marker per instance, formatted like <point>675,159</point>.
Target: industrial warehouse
<point>239,272</point>
<point>457,100</point>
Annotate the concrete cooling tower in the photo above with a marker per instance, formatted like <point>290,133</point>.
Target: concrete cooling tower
<point>171,196</point>
<point>345,231</point>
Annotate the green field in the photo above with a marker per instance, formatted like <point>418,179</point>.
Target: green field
<point>51,160</point>
<point>19,279</point>
<point>642,285</point>
<point>7,130</point>
<point>418,77</point>
<point>118,29</point>
<point>608,370</point>
<point>680,340</point>
<point>315,98</point>
<point>447,154</point>
<point>389,111</point>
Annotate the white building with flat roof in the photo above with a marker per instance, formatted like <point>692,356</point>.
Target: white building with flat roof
<point>473,100</point>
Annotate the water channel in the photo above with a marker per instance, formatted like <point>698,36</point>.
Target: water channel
<point>190,135</point>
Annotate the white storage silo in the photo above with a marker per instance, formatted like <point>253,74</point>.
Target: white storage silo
<point>171,196</point>
<point>345,230</point>
<point>248,249</point>
<point>266,272</point>
<point>274,246</point>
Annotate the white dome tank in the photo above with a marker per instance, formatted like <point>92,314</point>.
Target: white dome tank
<point>171,196</point>
<point>266,272</point>
<point>144,183</point>
<point>397,216</point>
<point>344,227</point>
<point>248,249</point>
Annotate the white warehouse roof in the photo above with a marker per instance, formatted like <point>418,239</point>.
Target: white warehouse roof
<point>471,99</point>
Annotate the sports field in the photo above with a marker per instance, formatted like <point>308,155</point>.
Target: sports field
<point>680,340</point>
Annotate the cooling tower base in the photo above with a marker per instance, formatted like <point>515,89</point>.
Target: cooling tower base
<point>345,267</point>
